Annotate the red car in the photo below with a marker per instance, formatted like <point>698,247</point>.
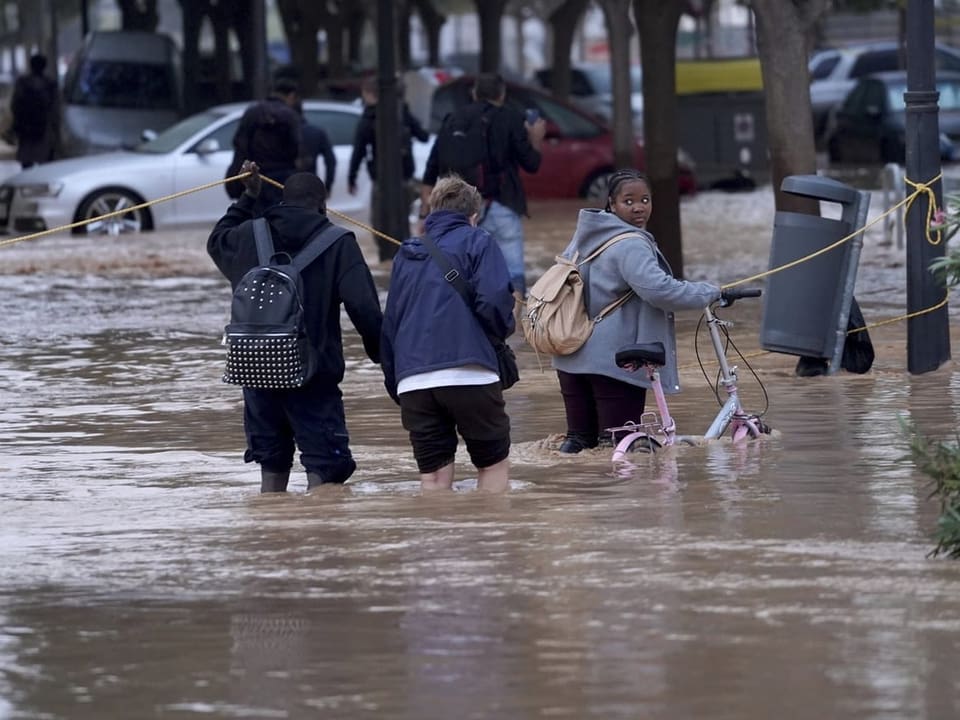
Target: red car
<point>577,150</point>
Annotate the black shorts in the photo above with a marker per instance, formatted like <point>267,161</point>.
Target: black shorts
<point>435,415</point>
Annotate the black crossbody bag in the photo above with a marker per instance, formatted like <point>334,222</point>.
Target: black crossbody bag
<point>506,360</point>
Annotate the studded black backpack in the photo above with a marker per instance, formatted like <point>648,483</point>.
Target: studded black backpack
<point>266,340</point>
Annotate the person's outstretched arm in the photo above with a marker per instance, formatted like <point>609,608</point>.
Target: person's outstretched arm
<point>359,295</point>
<point>329,159</point>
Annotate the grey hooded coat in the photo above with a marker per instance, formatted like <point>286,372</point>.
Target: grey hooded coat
<point>633,263</point>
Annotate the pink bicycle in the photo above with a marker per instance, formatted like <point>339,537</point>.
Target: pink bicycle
<point>658,429</point>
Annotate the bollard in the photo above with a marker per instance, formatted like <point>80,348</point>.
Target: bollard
<point>893,189</point>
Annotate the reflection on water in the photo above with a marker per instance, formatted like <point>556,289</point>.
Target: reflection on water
<point>141,575</point>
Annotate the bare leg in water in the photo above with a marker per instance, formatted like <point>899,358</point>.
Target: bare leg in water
<point>495,478</point>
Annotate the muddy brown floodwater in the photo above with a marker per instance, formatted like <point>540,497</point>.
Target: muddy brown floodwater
<point>142,576</point>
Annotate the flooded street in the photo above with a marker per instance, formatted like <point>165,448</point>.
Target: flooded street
<point>143,576</point>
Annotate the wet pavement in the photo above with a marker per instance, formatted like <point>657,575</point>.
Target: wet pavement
<point>141,575</point>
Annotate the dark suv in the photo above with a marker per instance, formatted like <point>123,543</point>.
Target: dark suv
<point>833,73</point>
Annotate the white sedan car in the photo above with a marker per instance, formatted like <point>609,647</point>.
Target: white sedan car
<point>190,154</point>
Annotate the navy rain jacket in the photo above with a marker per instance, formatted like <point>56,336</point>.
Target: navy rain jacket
<point>427,326</point>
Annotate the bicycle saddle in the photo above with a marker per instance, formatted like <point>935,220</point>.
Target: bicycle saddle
<point>642,354</point>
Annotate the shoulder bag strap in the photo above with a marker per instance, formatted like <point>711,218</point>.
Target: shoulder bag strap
<point>264,240</point>
<point>615,239</point>
<point>453,276</point>
<point>610,307</point>
<point>607,309</point>
<point>450,273</point>
<point>319,244</point>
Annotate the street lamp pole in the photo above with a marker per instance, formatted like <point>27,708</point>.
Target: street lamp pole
<point>390,212</point>
<point>928,335</point>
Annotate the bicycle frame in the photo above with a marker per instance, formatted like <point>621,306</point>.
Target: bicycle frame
<point>658,429</point>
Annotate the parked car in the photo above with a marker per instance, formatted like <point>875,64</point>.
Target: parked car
<point>119,84</point>
<point>577,149</point>
<point>192,153</point>
<point>591,88</point>
<point>833,73</point>
<point>870,126</point>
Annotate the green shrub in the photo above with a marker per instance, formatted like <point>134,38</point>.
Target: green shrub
<point>940,462</point>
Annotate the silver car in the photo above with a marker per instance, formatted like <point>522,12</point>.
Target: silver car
<point>190,154</point>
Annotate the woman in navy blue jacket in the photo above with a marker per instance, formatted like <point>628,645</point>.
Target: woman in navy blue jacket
<point>438,362</point>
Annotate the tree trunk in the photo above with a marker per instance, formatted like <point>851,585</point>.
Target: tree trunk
<point>192,17</point>
<point>302,19</point>
<point>222,22</point>
<point>404,12</point>
<point>657,21</point>
<point>616,14</point>
<point>336,65</point>
<point>709,7</point>
<point>432,22</point>
<point>521,60</point>
<point>489,13</point>
<point>356,22</point>
<point>564,22</point>
<point>784,32</point>
<point>138,15</point>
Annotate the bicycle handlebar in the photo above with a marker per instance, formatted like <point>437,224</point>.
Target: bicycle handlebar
<point>728,296</point>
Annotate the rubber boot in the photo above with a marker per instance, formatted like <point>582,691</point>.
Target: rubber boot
<point>811,367</point>
<point>273,482</point>
<point>575,442</point>
<point>605,439</point>
<point>314,480</point>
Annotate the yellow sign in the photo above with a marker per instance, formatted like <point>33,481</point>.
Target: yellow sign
<point>726,75</point>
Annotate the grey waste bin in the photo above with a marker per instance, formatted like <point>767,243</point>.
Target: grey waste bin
<point>805,307</point>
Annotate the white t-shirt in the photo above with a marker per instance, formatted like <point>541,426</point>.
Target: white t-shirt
<point>463,375</point>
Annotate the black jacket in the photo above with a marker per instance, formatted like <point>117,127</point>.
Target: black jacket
<point>510,151</point>
<point>365,143</point>
<point>315,143</point>
<point>338,276</point>
<point>268,134</point>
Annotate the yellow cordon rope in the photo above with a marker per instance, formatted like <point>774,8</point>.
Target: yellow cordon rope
<point>174,196</point>
<point>919,188</point>
<point>116,213</point>
<point>925,188</point>
<point>331,211</point>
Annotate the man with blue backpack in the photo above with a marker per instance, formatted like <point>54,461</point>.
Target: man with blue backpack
<point>290,272</point>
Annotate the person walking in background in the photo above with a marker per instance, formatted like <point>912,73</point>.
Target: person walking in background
<point>269,134</point>
<point>315,143</point>
<point>596,393</point>
<point>511,143</point>
<point>35,114</point>
<point>310,417</point>
<point>438,362</point>
<point>365,146</point>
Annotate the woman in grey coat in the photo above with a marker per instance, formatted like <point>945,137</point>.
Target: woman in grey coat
<point>596,393</point>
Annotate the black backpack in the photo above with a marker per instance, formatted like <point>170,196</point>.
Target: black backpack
<point>266,340</point>
<point>463,145</point>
